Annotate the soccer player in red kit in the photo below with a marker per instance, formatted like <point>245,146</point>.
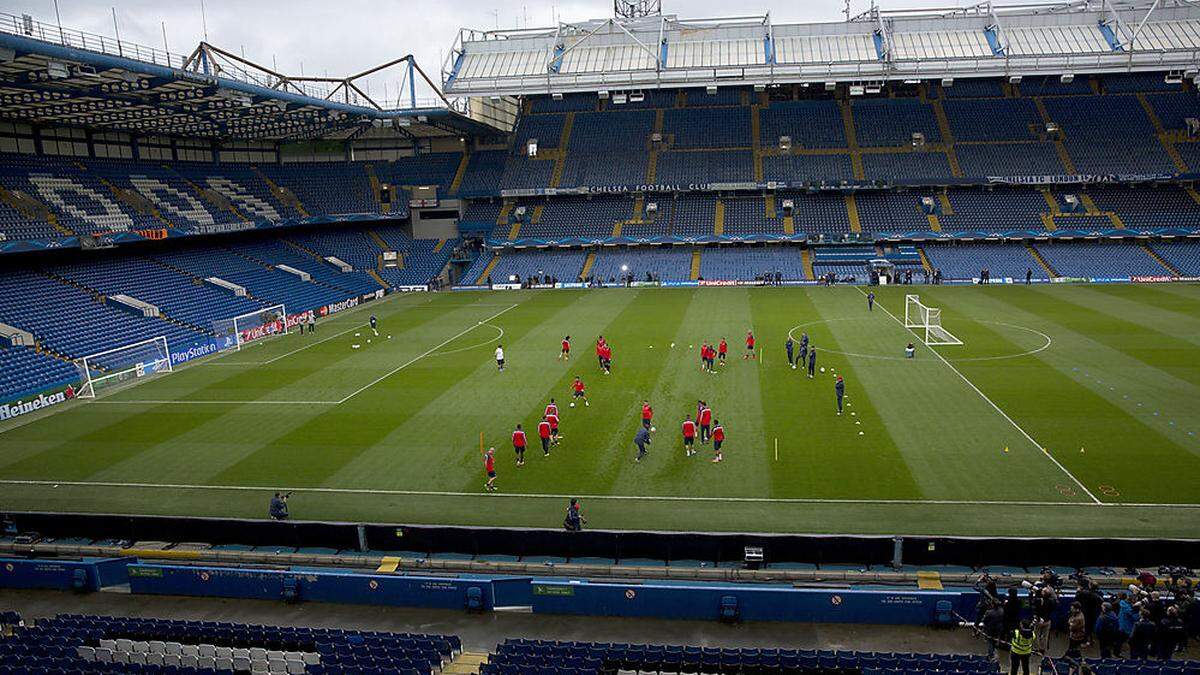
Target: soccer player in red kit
<point>606,358</point>
<point>553,420</point>
<point>705,421</point>
<point>565,354</point>
<point>749,345</point>
<point>544,434</point>
<point>718,437</point>
<point>722,350</point>
<point>647,416</point>
<point>600,351</point>
<point>519,442</point>
<point>551,408</point>
<point>577,391</point>
<point>689,436</point>
<point>489,467</point>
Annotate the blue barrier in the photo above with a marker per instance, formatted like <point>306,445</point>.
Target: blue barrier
<point>309,585</point>
<point>773,603</point>
<point>87,574</point>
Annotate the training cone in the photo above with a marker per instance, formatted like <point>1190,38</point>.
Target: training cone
<point>1006,448</point>
<point>1081,451</point>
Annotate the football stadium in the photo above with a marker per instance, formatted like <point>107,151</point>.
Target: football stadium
<point>638,343</point>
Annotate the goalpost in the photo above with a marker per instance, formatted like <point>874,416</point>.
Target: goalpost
<point>124,364</point>
<point>919,315</point>
<point>235,331</point>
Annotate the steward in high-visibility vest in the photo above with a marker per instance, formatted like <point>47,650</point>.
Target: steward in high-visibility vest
<point>1022,641</point>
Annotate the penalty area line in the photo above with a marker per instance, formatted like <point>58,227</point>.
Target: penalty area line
<point>531,495</point>
<point>989,401</point>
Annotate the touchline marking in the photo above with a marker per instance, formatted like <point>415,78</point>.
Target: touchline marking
<point>429,351</point>
<point>185,401</point>
<point>534,495</point>
<point>995,407</point>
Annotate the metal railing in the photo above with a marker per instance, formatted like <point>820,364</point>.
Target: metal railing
<point>26,26</point>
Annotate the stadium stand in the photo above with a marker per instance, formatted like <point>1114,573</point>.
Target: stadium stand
<point>1184,256</point>
<point>521,657</point>
<point>965,260</point>
<point>72,643</point>
<point>666,264</point>
<point>1100,259</point>
<point>748,263</point>
<point>562,265</point>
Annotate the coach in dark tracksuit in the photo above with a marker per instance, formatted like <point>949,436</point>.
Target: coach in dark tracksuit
<point>790,345</point>
<point>641,440</point>
<point>812,361</point>
<point>839,388</point>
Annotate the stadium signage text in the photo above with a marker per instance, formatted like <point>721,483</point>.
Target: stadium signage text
<point>335,307</point>
<point>17,408</point>
<point>196,351</point>
<point>1079,179</point>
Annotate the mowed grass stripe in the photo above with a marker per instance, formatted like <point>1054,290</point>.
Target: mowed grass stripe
<point>1168,314</point>
<point>949,435</point>
<point>1123,458</point>
<point>731,392</point>
<point>110,436</point>
<point>440,441</point>
<point>821,454</point>
<point>1152,347</point>
<point>316,450</point>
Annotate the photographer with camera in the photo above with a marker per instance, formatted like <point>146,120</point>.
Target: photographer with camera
<point>279,508</point>
<point>1043,601</point>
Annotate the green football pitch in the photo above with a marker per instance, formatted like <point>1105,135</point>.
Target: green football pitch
<point>1068,411</point>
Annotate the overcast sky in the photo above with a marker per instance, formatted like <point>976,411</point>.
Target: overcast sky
<point>340,37</point>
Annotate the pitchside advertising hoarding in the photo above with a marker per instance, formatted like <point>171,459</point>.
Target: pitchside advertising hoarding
<point>44,400</point>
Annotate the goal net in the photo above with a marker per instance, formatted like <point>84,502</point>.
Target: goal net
<point>129,363</point>
<point>260,324</point>
<point>920,316</point>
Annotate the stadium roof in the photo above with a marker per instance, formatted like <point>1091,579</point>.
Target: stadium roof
<point>50,75</point>
<point>1086,36</point>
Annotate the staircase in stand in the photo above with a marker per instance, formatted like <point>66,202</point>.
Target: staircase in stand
<point>488,270</point>
<point>1159,259</point>
<point>856,162</point>
<point>460,172</point>
<point>283,194</point>
<point>466,663</point>
<point>1037,255</point>
<point>852,213</point>
<point>33,209</point>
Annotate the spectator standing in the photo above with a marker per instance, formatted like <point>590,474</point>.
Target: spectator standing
<point>992,626</point>
<point>1012,611</point>
<point>1108,632</point>
<point>1076,632</point>
<point>1043,603</point>
<point>1171,634</point>
<point>1089,600</point>
<point>1142,640</point>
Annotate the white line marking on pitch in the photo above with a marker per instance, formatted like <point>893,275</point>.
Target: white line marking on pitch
<point>984,396</point>
<point>431,350</point>
<point>184,401</point>
<point>519,495</point>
